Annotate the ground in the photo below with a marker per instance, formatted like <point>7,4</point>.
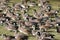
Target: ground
<point>55,4</point>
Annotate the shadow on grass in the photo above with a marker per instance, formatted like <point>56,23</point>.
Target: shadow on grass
<point>50,31</point>
<point>56,39</point>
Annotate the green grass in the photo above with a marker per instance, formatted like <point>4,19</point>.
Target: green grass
<point>57,35</point>
<point>4,31</point>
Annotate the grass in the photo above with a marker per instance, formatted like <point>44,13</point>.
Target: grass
<point>55,5</point>
<point>57,35</point>
<point>4,31</point>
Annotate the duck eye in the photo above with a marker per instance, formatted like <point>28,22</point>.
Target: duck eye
<point>56,11</point>
<point>1,22</point>
<point>48,7</point>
